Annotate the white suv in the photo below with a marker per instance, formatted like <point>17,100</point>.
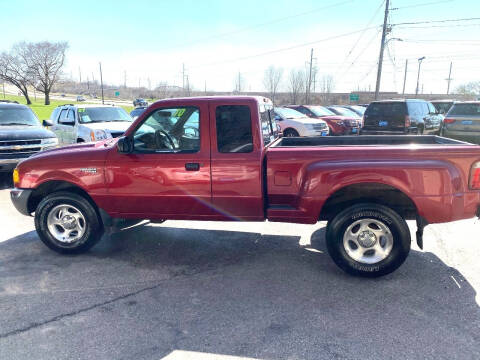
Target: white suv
<point>294,123</point>
<point>85,123</point>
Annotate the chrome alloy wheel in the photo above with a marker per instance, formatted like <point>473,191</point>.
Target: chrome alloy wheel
<point>368,241</point>
<point>66,223</point>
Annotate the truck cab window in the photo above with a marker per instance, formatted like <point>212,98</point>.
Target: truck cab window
<point>169,130</point>
<point>234,129</point>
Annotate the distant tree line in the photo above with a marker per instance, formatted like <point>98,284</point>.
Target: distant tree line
<point>37,65</point>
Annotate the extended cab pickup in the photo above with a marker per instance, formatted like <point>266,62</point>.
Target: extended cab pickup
<point>219,158</point>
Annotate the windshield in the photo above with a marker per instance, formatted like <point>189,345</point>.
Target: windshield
<point>287,113</point>
<point>321,111</point>
<point>465,109</point>
<point>18,116</point>
<point>343,111</point>
<point>102,114</point>
<point>443,107</point>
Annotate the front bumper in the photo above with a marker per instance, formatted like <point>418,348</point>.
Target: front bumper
<point>20,199</point>
<point>9,164</point>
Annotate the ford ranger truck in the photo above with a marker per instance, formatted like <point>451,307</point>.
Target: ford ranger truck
<point>220,158</point>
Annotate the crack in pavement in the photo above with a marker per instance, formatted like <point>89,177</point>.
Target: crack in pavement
<point>73,313</point>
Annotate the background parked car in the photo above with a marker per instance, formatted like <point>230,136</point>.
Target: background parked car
<point>85,123</point>
<point>357,109</point>
<point>462,122</point>
<point>80,98</point>
<point>338,124</point>
<point>442,106</point>
<point>140,102</point>
<point>293,123</point>
<point>343,111</point>
<point>21,135</point>
<point>411,116</point>
<point>135,113</point>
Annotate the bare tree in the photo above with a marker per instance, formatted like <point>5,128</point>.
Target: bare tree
<point>239,83</point>
<point>271,80</point>
<point>16,71</point>
<point>296,84</point>
<point>46,59</point>
<point>471,88</point>
<point>327,85</point>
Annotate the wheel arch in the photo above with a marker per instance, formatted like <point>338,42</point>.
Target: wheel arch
<point>51,186</point>
<point>370,192</point>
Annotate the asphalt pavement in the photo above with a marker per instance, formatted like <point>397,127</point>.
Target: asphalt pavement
<point>207,290</point>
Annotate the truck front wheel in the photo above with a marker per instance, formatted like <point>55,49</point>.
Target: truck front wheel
<point>369,240</point>
<point>67,223</point>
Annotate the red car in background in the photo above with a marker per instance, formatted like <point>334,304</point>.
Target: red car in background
<point>338,124</point>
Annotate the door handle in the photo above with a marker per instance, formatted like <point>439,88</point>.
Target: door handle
<point>192,166</point>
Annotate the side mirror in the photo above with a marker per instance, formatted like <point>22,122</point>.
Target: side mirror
<point>47,123</point>
<point>278,118</point>
<point>125,145</point>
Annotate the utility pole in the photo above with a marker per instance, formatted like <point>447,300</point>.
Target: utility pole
<point>88,83</point>
<point>405,76</point>
<point>149,84</point>
<point>309,83</point>
<point>418,74</point>
<point>449,78</point>
<point>124,78</point>
<point>382,48</point>
<point>183,77</point>
<point>205,87</point>
<point>80,74</point>
<point>101,81</point>
<point>3,83</point>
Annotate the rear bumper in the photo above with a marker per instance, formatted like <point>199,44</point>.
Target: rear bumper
<point>382,132</point>
<point>20,199</point>
<point>468,136</point>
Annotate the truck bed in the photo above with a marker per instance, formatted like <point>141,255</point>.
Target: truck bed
<point>367,140</point>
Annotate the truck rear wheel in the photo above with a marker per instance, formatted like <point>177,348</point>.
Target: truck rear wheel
<point>369,240</point>
<point>67,223</point>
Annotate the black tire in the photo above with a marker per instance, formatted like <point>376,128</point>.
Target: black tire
<point>290,133</point>
<point>398,234</point>
<point>93,229</point>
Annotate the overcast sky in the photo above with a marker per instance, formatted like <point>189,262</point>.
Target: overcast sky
<point>150,40</point>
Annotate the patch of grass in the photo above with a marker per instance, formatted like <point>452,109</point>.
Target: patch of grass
<point>43,111</point>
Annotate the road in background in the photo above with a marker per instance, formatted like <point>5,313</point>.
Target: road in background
<point>202,290</point>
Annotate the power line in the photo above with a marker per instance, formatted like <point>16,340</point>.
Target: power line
<point>263,24</point>
<point>437,26</point>
<point>361,35</point>
<point>424,4</point>
<point>284,49</point>
<point>436,21</point>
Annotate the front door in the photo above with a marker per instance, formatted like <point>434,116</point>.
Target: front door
<point>168,173</point>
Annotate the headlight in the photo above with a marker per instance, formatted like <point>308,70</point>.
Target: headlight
<point>341,123</point>
<point>98,135</point>
<point>50,141</point>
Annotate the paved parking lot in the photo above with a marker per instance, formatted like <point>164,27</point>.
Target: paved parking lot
<point>206,290</point>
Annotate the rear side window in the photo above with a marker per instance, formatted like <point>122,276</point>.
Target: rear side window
<point>465,109</point>
<point>234,129</point>
<point>415,109</point>
<point>386,109</point>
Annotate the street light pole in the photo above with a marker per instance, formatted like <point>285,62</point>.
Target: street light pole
<point>418,74</point>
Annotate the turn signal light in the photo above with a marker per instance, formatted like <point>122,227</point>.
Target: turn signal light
<point>448,120</point>
<point>16,177</point>
<point>475,176</point>
<point>407,121</point>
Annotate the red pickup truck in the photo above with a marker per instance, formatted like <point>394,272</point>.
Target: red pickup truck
<point>221,158</point>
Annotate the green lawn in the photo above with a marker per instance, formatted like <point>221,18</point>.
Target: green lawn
<point>43,111</point>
